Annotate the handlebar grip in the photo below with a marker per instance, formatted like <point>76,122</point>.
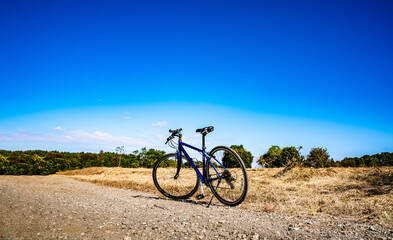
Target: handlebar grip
<point>175,131</point>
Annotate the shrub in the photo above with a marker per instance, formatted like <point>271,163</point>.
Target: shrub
<point>318,158</point>
<point>245,155</point>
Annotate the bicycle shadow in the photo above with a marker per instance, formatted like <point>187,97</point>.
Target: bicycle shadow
<point>194,202</point>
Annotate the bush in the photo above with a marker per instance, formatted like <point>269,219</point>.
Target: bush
<point>277,157</point>
<point>245,155</point>
<point>268,159</point>
<point>318,158</point>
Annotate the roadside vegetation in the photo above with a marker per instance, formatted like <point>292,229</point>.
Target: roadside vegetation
<point>38,162</point>
<point>319,158</point>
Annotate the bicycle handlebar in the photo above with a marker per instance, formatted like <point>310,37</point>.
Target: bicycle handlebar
<point>174,133</point>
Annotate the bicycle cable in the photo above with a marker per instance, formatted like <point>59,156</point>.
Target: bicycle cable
<point>173,144</point>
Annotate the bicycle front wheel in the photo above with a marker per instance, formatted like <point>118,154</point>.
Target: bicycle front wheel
<point>182,187</point>
<point>231,184</point>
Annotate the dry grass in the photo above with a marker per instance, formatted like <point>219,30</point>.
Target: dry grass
<point>361,194</point>
<point>139,179</point>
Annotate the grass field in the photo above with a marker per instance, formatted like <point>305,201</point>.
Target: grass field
<point>360,194</point>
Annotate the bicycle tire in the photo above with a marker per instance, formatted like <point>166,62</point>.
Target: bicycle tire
<point>233,188</point>
<point>164,171</point>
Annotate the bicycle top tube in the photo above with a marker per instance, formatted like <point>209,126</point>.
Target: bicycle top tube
<point>189,146</point>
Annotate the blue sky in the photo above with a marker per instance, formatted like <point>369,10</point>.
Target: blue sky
<point>91,75</point>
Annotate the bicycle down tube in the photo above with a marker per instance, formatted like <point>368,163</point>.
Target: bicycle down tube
<point>203,176</point>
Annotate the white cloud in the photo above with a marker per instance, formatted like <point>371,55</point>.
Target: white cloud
<point>59,128</point>
<point>72,136</point>
<point>126,118</point>
<point>163,123</point>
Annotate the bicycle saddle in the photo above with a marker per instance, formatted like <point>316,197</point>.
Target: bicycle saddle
<point>205,130</point>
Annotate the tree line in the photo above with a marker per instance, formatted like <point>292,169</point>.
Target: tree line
<point>39,162</point>
<point>319,158</point>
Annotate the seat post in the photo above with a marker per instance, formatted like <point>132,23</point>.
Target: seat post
<point>203,140</point>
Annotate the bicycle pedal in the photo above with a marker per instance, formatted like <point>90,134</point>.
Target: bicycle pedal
<point>200,196</point>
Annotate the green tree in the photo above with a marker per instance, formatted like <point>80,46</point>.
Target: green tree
<point>152,156</point>
<point>87,159</point>
<point>289,154</point>
<point>277,157</point>
<point>135,161</point>
<point>374,162</point>
<point>101,158</point>
<point>142,156</point>
<point>51,155</point>
<point>245,155</point>
<point>385,158</point>
<point>267,159</point>
<point>120,151</point>
<point>319,157</point>
<point>360,162</point>
<point>13,157</point>
<point>348,162</point>
<point>4,163</point>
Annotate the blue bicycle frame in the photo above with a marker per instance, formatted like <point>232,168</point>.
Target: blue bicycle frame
<point>205,158</point>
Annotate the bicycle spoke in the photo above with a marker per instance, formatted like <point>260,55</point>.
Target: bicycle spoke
<point>164,173</point>
<point>231,169</point>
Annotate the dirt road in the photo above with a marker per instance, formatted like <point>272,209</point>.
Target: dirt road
<point>54,207</point>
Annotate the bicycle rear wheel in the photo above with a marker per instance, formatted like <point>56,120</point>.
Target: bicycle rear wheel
<point>164,172</point>
<point>231,188</point>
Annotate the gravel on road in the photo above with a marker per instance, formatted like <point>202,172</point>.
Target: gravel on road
<point>54,207</point>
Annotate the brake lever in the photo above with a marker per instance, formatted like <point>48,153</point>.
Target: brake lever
<point>169,138</point>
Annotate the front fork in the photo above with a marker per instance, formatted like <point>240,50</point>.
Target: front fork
<point>179,161</point>
<point>178,165</point>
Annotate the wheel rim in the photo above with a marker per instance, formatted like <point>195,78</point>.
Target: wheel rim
<point>183,186</point>
<point>233,185</point>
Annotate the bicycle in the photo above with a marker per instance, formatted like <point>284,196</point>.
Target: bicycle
<point>177,176</point>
